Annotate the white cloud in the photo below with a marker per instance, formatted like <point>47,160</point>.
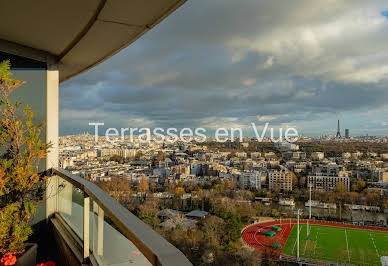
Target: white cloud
<point>372,74</point>
<point>327,49</point>
<point>267,118</point>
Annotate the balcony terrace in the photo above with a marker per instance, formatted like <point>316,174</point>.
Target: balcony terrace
<point>97,229</point>
<point>50,41</point>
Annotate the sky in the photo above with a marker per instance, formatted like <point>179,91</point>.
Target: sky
<point>227,63</point>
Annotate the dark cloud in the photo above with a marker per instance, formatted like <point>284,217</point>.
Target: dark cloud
<point>230,62</point>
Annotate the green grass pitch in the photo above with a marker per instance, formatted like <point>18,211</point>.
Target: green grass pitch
<point>338,244</point>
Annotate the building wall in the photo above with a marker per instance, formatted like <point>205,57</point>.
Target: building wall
<point>383,177</point>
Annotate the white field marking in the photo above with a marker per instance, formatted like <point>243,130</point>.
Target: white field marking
<point>254,237</point>
<point>342,226</point>
<point>373,241</point>
<point>347,246</point>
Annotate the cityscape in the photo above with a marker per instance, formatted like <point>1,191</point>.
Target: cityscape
<point>181,133</point>
<point>188,192</point>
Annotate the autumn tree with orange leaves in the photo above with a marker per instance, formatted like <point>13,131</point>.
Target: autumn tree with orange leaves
<point>21,150</point>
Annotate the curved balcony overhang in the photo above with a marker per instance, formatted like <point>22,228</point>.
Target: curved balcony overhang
<point>77,34</point>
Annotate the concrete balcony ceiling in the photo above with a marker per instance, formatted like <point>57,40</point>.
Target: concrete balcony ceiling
<point>78,34</point>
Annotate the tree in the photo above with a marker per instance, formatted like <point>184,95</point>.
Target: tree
<point>143,185</point>
<point>179,191</point>
<point>246,195</point>
<point>302,181</point>
<point>276,189</point>
<point>340,188</point>
<point>118,188</point>
<point>233,229</point>
<point>294,179</point>
<point>249,257</point>
<point>246,211</point>
<point>138,155</point>
<point>152,187</point>
<point>213,228</point>
<point>21,185</point>
<point>148,212</point>
<point>161,156</point>
<point>360,185</point>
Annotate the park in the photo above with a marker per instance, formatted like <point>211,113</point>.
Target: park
<point>319,242</point>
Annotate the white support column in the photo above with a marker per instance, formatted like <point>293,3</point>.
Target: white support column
<point>52,134</point>
<point>52,115</point>
<point>86,227</point>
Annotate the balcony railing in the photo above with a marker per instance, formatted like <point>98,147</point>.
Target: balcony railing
<point>100,231</point>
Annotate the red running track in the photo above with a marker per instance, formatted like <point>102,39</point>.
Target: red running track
<point>253,235</point>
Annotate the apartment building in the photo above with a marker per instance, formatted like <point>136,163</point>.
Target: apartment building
<point>328,170</point>
<point>287,145</point>
<point>251,179</point>
<point>328,183</point>
<point>65,162</point>
<point>281,179</point>
<point>346,155</point>
<point>317,156</point>
<point>125,153</point>
<point>294,155</point>
<point>255,155</point>
<point>383,176</point>
<point>241,154</point>
<point>326,177</point>
<point>180,169</point>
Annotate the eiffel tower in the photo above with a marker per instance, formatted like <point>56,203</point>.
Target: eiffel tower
<point>338,131</point>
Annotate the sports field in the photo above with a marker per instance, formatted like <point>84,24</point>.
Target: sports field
<point>330,242</point>
<point>338,244</point>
